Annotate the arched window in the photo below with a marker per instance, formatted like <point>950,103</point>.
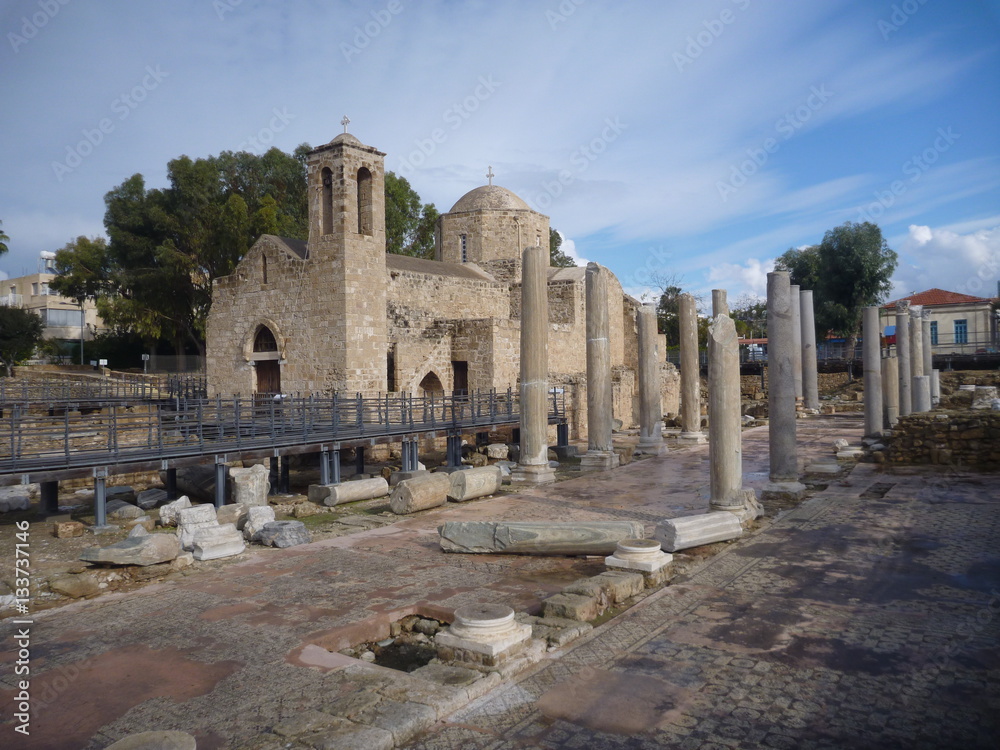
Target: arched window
<point>364,201</point>
<point>264,340</point>
<point>327,201</point>
<point>263,267</point>
<point>430,384</point>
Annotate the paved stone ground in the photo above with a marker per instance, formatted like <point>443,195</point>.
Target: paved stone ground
<point>864,618</point>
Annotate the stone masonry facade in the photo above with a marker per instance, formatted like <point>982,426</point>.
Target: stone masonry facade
<point>339,314</point>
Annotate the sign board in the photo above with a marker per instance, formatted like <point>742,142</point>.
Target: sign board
<point>145,358</point>
<point>104,363</point>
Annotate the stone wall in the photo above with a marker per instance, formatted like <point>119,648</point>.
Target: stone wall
<point>950,438</point>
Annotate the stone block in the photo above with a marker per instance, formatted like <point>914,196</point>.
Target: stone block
<point>250,485</point>
<point>348,492</point>
<point>141,550</point>
<point>420,493</point>
<point>169,512</point>
<point>257,517</point>
<point>234,514</point>
<point>694,531</point>
<point>572,607</point>
<point>149,499</point>
<point>283,534</point>
<point>158,740</point>
<point>146,522</point>
<point>190,520</point>
<point>10,502</point>
<point>468,485</point>
<point>984,396</point>
<point>537,538</point>
<point>67,529</point>
<point>75,586</point>
<point>119,510</point>
<point>644,555</point>
<point>213,542</point>
<point>498,451</point>
<point>401,476</point>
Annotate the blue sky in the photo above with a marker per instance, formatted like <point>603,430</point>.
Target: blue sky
<point>695,139</point>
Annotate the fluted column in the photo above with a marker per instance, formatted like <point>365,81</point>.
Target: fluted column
<point>533,465</point>
<point>600,453</point>
<point>650,387</point>
<point>687,317</point>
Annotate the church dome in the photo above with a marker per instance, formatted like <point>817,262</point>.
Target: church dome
<point>491,197</point>
<point>346,138</point>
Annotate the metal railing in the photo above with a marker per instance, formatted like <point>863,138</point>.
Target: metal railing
<point>183,428</point>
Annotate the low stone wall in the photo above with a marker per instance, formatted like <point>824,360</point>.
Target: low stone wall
<point>952,438</point>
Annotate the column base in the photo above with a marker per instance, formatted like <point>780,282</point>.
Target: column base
<point>744,506</point>
<point>692,438</point>
<point>599,460</point>
<point>783,491</point>
<point>533,474</point>
<point>652,448</point>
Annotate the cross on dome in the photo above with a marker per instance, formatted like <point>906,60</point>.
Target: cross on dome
<point>345,122</point>
<point>490,175</point>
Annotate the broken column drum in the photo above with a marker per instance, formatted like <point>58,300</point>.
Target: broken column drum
<point>916,346</point>
<point>650,404</point>
<point>420,493</point>
<point>600,451</point>
<point>890,392</point>
<point>720,305</point>
<point>537,538</point>
<point>810,377</point>
<point>533,465</point>
<point>687,317</point>
<point>903,355</point>
<point>784,466</point>
<point>473,483</point>
<point>872,362</point>
<point>927,347</point>
<point>725,451</point>
<point>921,393</point>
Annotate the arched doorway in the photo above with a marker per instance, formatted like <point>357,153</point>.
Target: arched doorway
<point>430,384</point>
<point>266,356</point>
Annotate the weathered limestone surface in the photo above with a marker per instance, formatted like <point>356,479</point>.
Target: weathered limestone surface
<point>348,492</point>
<point>537,538</point>
<point>600,451</point>
<point>499,451</point>
<point>257,518</point>
<point>149,499</point>
<point>190,520</point>
<point>693,531</point>
<point>903,355</point>
<point>170,511</point>
<point>872,361</point>
<point>473,483</point>
<point>687,315</point>
<point>149,549</point>
<point>725,441</point>
<point>420,493</point>
<point>926,346</point>
<point>810,377</point>
<point>935,387</point>
<point>283,534</point>
<point>890,392</point>
<point>645,555</point>
<point>720,305</point>
<point>119,510</point>
<point>250,485</point>
<point>921,393</point>
<point>984,396</point>
<point>796,310</point>
<point>158,740</point>
<point>781,379</point>
<point>234,514</point>
<point>214,542</point>
<point>650,387</point>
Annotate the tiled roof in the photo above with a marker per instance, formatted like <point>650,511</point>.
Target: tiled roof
<point>938,297</point>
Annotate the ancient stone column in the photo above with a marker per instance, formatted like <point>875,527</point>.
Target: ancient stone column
<point>903,355</point>
<point>921,393</point>
<point>916,342</point>
<point>935,387</point>
<point>872,362</point>
<point>720,305</point>
<point>533,465</point>
<point>650,404</point>
<point>810,378</point>
<point>783,450</point>
<point>725,442</point>
<point>687,316</point>
<point>600,451</point>
<point>927,347</point>
<point>797,339</point>
<point>890,392</point>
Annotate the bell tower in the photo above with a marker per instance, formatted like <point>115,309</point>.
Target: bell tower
<point>346,181</point>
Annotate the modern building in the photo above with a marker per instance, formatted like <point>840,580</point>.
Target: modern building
<point>960,323</point>
<point>64,319</point>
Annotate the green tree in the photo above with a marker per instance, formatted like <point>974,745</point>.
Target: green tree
<point>4,239</point>
<point>848,271</point>
<point>409,224</point>
<point>557,257</point>
<point>20,333</point>
<point>749,314</point>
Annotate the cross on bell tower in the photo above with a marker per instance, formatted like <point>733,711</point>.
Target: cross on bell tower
<point>490,175</point>
<point>345,122</point>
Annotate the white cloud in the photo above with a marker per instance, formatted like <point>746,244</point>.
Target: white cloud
<point>739,279</point>
<point>967,263</point>
<point>569,248</point>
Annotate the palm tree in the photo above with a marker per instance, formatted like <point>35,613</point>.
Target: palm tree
<point>3,239</point>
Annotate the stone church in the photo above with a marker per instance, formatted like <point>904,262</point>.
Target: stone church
<point>338,313</point>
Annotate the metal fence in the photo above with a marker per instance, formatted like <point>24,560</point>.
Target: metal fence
<point>184,428</point>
